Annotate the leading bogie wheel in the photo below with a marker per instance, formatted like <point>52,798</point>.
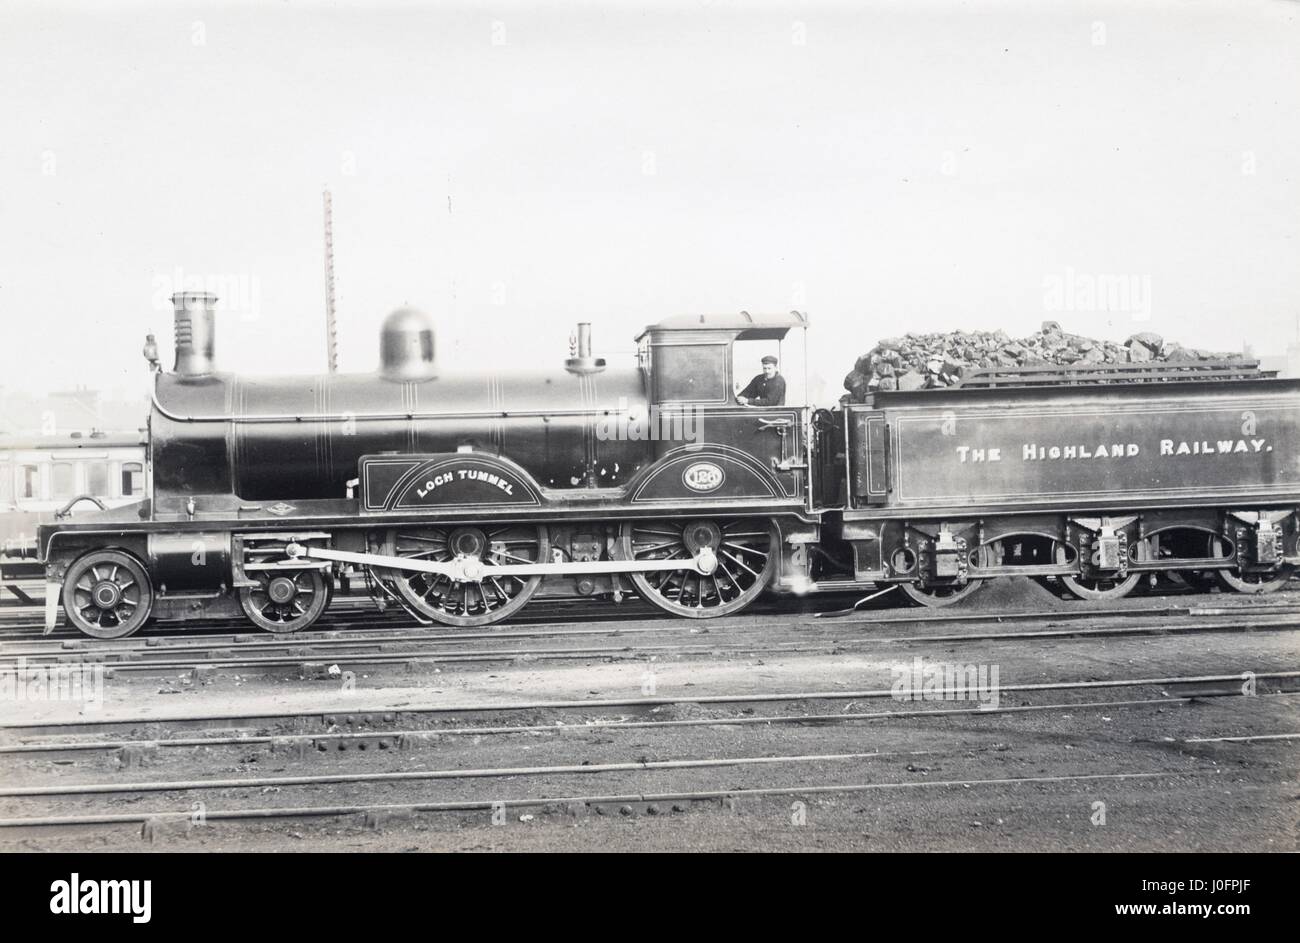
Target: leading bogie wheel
<point>285,601</point>
<point>745,549</point>
<point>107,594</point>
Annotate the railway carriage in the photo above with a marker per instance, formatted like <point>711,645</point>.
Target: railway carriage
<point>42,476</point>
<point>462,496</point>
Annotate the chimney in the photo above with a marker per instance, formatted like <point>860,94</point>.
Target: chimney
<point>195,333</point>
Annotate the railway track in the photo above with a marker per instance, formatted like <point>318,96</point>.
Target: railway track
<point>633,641</point>
<point>974,758</point>
<point>414,737</point>
<point>815,772</point>
<point>357,614</point>
<point>373,810</point>
<point>1076,720</point>
<point>345,614</point>
<point>20,727</point>
<point>396,624</point>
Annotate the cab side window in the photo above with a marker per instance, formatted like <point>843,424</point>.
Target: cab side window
<point>691,373</point>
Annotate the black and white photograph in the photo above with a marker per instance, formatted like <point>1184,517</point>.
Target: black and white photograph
<point>684,427</point>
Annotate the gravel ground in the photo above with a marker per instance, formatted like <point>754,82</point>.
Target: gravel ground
<point>930,779</point>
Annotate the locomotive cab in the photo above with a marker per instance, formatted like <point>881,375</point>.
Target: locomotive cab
<point>693,365</point>
<point>700,359</point>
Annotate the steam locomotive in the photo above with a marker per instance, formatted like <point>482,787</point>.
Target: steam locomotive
<point>461,496</point>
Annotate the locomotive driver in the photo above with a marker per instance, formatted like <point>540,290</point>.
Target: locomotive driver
<point>766,389</point>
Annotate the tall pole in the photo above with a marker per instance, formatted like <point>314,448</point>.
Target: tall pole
<point>331,329</point>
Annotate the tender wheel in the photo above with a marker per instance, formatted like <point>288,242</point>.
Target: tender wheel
<point>479,602</point>
<point>1100,588</point>
<point>746,552</point>
<point>1269,582</point>
<point>285,601</point>
<point>936,597</point>
<point>107,594</point>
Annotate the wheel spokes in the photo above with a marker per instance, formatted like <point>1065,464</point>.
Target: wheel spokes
<point>471,602</point>
<point>741,548</point>
<point>308,598</point>
<point>106,594</point>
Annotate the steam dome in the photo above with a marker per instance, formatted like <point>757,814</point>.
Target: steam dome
<point>406,350</point>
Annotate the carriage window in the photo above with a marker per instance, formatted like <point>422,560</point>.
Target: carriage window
<point>97,479</point>
<point>132,479</point>
<point>29,481</point>
<point>65,485</point>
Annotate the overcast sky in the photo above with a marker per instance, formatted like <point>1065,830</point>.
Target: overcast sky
<point>513,169</point>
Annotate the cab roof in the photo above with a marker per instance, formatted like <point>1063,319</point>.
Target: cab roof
<point>746,326</point>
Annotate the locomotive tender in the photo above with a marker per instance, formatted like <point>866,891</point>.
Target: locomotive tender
<point>462,496</point>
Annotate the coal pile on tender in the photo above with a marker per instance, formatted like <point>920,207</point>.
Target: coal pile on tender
<point>929,361</point>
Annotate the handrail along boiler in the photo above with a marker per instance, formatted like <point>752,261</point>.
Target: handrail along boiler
<point>461,496</point>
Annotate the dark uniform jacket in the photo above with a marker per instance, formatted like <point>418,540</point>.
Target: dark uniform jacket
<point>764,392</point>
